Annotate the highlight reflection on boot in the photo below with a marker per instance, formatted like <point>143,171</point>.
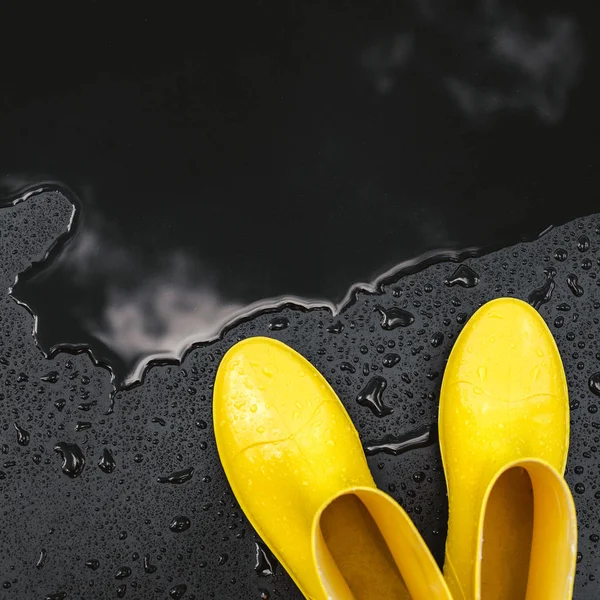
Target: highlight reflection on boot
<point>360,551</point>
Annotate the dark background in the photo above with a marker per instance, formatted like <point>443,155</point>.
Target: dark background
<point>223,156</point>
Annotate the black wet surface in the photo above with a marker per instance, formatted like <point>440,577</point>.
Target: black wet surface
<point>90,532</point>
<point>267,148</point>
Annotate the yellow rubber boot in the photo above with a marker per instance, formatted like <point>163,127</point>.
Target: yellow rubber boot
<point>297,468</point>
<point>504,437</point>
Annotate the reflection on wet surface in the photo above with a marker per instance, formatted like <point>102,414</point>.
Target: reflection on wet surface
<point>295,157</point>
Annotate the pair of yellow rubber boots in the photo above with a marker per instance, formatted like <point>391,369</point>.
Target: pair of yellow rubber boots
<point>296,466</point>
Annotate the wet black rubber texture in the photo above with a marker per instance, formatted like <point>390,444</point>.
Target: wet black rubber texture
<point>149,513</point>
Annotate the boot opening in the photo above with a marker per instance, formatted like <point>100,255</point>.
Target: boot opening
<point>360,551</point>
<point>507,537</point>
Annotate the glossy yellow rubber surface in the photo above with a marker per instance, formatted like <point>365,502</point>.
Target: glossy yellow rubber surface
<point>297,468</point>
<point>504,435</point>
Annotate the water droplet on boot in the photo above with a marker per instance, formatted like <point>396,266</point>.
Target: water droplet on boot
<point>179,524</point>
<point>574,286</point>
<point>177,477</point>
<point>121,590</point>
<point>266,563</point>
<point>463,276</point>
<point>107,462</point>
<point>371,397</point>
<point>394,317</point>
<point>419,438</point>
<point>543,294</point>
<point>22,435</point>
<point>73,459</point>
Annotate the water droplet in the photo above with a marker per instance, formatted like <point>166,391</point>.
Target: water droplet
<point>107,462</point>
<point>223,558</point>
<point>583,243</point>
<point>346,366</point>
<point>60,404</point>
<point>394,317</point>
<point>158,420</point>
<point>22,435</point>
<point>73,459</point>
<point>337,327</point>
<point>92,564</point>
<point>594,384</point>
<point>278,323</point>
<point>42,559</point>
<point>419,438</point>
<point>177,592</point>
<point>266,563</point>
<point>121,590</point>
<point>574,286</point>
<point>87,406</point>
<point>148,567</point>
<point>560,254</point>
<point>464,276</point>
<point>179,524</point>
<point>82,425</point>
<point>391,360</point>
<point>51,377</point>
<point>579,488</point>
<point>559,321</point>
<point>371,397</point>
<point>437,339</point>
<point>123,573</point>
<point>419,477</point>
<point>177,477</point>
<point>543,294</point>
